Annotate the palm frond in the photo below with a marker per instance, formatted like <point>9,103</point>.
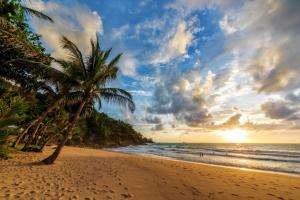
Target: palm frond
<point>98,100</point>
<point>105,75</point>
<point>73,97</point>
<point>106,54</point>
<point>74,54</point>
<point>117,95</point>
<point>36,13</point>
<point>115,60</point>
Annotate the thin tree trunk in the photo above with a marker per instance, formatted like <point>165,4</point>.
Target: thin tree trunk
<point>51,137</point>
<point>43,143</point>
<point>39,122</point>
<point>21,136</point>
<point>39,135</point>
<point>55,154</point>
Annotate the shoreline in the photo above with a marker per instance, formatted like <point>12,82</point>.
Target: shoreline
<point>86,173</point>
<point>209,164</point>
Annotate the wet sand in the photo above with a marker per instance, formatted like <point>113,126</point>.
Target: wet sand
<point>95,174</point>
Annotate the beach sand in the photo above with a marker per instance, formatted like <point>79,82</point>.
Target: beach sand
<point>95,174</point>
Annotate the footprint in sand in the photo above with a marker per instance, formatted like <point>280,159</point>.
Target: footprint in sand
<point>111,191</point>
<point>127,195</point>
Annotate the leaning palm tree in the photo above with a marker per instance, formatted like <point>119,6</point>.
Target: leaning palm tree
<point>63,95</point>
<point>61,86</point>
<point>93,74</point>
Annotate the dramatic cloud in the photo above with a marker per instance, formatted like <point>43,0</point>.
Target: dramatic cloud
<point>278,110</point>
<point>184,96</point>
<point>75,21</point>
<point>294,97</point>
<point>158,127</point>
<point>233,121</point>
<point>269,41</point>
<point>153,119</point>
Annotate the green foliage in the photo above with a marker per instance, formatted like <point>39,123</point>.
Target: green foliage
<point>12,113</point>
<point>12,109</point>
<point>99,130</point>
<point>15,13</point>
<point>21,52</point>
<point>44,102</point>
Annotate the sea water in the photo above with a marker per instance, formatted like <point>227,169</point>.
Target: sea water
<point>271,157</point>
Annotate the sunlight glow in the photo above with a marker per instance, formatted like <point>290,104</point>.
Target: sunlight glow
<point>236,135</point>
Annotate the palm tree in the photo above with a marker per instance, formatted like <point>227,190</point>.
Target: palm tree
<point>93,74</point>
<point>63,95</point>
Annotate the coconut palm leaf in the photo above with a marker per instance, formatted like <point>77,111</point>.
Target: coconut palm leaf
<point>74,54</point>
<point>117,95</point>
<point>35,13</point>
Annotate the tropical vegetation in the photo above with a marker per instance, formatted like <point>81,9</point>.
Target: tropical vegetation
<point>42,105</point>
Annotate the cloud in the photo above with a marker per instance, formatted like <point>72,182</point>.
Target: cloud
<point>232,122</point>
<point>153,120</point>
<point>188,6</point>
<point>140,92</point>
<point>268,42</point>
<point>144,3</point>
<point>226,27</point>
<point>75,21</point>
<point>118,33</point>
<point>184,96</point>
<point>176,45</point>
<point>294,97</point>
<point>179,43</point>
<point>128,64</point>
<point>278,110</point>
<point>158,127</point>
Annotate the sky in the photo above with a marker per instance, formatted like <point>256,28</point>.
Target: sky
<point>199,70</point>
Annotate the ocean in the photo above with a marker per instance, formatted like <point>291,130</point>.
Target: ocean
<point>270,157</point>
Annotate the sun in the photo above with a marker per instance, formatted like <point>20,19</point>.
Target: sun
<point>236,135</point>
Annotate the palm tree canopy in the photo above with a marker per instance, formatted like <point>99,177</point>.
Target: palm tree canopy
<point>94,73</point>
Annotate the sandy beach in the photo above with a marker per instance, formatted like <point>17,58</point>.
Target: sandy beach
<point>96,174</point>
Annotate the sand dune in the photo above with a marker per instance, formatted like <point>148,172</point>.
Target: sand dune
<point>96,174</point>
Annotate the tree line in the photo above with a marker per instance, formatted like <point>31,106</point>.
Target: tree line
<point>40,104</point>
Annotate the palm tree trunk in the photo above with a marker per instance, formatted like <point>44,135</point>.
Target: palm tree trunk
<point>38,123</point>
<point>43,144</point>
<point>21,136</point>
<point>54,155</point>
<point>39,135</point>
